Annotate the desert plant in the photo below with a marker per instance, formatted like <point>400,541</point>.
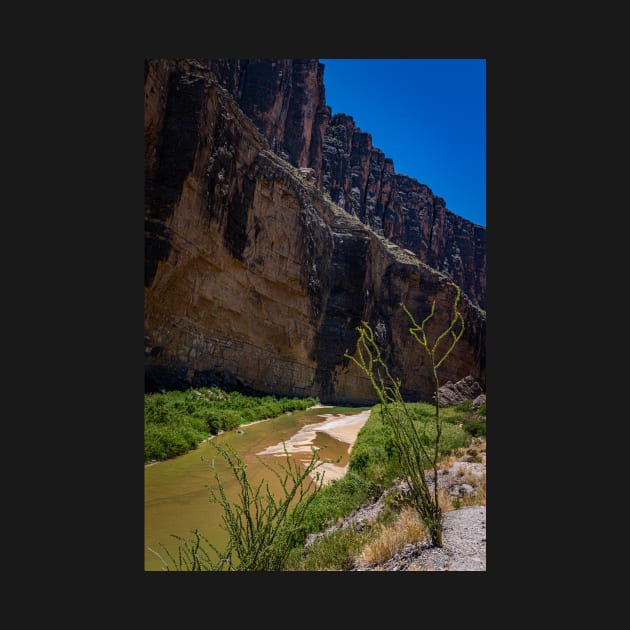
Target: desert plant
<point>192,554</point>
<point>415,454</point>
<point>407,528</point>
<point>331,502</point>
<point>334,552</point>
<point>261,527</point>
<point>465,406</point>
<point>475,426</point>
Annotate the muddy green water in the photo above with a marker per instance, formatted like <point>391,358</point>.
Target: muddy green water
<point>176,491</point>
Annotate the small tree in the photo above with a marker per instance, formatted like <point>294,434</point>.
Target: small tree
<point>415,456</point>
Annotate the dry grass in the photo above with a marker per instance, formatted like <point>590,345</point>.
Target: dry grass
<point>445,500</point>
<point>408,528</point>
<point>466,475</point>
<point>477,499</point>
<point>479,444</point>
<point>475,452</point>
<point>446,463</point>
<point>448,502</point>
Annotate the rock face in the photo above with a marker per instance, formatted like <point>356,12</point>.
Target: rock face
<point>252,276</point>
<point>285,98</point>
<point>360,179</point>
<point>458,393</point>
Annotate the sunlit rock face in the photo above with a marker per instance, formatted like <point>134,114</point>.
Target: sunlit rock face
<point>285,98</point>
<point>253,276</point>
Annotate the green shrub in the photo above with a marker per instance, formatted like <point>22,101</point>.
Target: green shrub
<point>158,408</point>
<point>333,501</point>
<point>292,404</point>
<point>245,415</point>
<point>163,441</point>
<point>231,419</point>
<point>452,437</point>
<point>466,406</point>
<point>451,415</point>
<point>375,455</point>
<point>198,411</point>
<point>154,448</point>
<point>475,426</point>
<point>334,552</point>
<point>198,424</point>
<point>420,410</point>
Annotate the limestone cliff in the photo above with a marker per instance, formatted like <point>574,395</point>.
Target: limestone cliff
<point>361,179</point>
<point>252,276</point>
<point>285,98</point>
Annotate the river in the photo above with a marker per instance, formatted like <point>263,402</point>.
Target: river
<point>176,491</point>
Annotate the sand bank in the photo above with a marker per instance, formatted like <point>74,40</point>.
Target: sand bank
<point>342,427</point>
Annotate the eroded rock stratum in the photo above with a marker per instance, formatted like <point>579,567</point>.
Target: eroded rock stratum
<point>253,276</point>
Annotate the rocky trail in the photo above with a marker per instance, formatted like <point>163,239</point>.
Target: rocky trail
<point>464,533</point>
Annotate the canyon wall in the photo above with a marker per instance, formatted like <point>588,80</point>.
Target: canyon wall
<point>253,277</point>
<point>285,98</point>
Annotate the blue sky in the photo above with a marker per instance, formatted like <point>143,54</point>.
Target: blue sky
<point>428,115</point>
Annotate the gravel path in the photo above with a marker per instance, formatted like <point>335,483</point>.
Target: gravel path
<point>463,540</point>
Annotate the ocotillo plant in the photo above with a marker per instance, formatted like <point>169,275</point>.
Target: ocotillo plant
<point>260,525</point>
<point>415,456</point>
